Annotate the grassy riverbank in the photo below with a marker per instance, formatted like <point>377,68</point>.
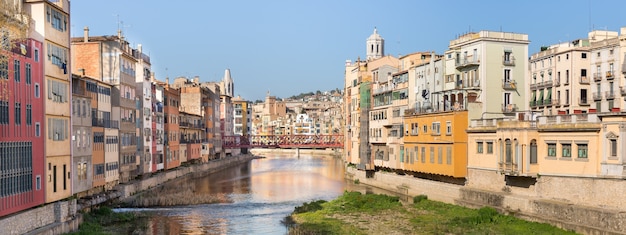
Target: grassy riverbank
<point>355,213</point>
<point>104,221</point>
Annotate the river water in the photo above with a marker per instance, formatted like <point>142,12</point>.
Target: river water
<point>255,196</point>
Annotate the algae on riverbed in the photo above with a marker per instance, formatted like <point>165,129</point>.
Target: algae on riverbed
<point>355,213</point>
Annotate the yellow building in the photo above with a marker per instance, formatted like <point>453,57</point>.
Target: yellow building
<point>576,158</point>
<point>435,143</point>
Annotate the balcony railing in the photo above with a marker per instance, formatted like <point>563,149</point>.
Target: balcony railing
<point>532,104</point>
<point>510,61</point>
<point>547,83</point>
<point>610,75</point>
<point>597,96</point>
<point>609,95</point>
<point>508,168</point>
<point>509,108</point>
<point>597,77</point>
<point>547,102</point>
<point>509,84</point>
<point>468,61</point>
<point>534,86</point>
<point>583,101</point>
<point>584,80</point>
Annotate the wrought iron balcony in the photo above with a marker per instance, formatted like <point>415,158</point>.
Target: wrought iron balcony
<point>610,75</point>
<point>584,80</point>
<point>508,60</point>
<point>471,60</point>
<point>509,85</point>
<point>509,108</point>
<point>597,96</point>
<point>597,77</point>
<point>609,95</point>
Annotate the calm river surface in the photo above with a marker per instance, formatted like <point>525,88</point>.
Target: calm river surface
<point>256,196</point>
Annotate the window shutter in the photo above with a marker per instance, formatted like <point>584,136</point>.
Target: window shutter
<point>50,126</point>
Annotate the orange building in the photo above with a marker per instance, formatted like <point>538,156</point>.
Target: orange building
<point>171,101</point>
<point>435,144</point>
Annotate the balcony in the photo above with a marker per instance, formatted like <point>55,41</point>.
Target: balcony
<point>583,101</point>
<point>609,95</point>
<point>509,84</point>
<point>584,80</point>
<point>610,75</point>
<point>547,102</point>
<point>547,83</point>
<point>623,90</point>
<point>597,77</point>
<point>557,82</point>
<point>467,61</point>
<point>534,86</point>
<point>509,108</point>
<point>508,60</point>
<point>508,168</point>
<point>532,104</point>
<point>597,96</point>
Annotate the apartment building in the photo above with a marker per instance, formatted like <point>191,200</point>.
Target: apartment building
<point>171,101</point>
<point>82,135</point>
<point>560,80</point>
<point>242,116</point>
<point>23,180</point>
<point>144,118</point>
<point>54,33</point>
<point>158,156</point>
<point>192,135</point>
<point>605,62</point>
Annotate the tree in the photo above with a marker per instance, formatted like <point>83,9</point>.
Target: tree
<point>14,27</point>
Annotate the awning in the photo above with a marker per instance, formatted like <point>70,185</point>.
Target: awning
<point>549,97</point>
<point>534,96</point>
<point>540,96</point>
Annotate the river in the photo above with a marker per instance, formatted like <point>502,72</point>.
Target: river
<point>254,197</point>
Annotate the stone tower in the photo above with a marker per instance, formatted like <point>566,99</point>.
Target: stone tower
<point>229,87</point>
<point>375,46</point>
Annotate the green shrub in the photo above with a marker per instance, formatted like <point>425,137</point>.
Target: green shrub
<point>419,198</point>
<point>309,207</point>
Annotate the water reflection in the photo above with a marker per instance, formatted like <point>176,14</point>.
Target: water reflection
<point>254,197</point>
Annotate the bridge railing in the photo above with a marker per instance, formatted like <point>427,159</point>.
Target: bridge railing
<point>283,141</point>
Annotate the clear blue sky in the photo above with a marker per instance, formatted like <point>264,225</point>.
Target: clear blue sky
<point>290,47</point>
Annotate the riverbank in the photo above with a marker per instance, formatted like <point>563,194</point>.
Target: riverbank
<point>356,213</point>
<point>579,218</point>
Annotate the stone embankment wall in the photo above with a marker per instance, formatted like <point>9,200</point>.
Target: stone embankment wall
<point>134,187</point>
<point>566,215</point>
<point>54,218</point>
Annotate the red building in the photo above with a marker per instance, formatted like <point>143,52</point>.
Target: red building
<point>22,176</point>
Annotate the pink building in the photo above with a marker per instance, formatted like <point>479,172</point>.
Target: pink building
<point>22,173</point>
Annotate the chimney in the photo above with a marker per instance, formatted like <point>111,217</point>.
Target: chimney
<point>86,34</point>
<point>152,79</point>
<point>167,80</point>
<point>139,48</point>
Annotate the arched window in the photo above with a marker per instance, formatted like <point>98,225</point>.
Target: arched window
<point>372,48</point>
<point>508,150</point>
<point>533,152</point>
<point>377,48</point>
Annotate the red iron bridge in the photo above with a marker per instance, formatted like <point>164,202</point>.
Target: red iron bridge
<point>283,141</point>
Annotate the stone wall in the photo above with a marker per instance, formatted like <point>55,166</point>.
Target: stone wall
<point>54,218</point>
<point>565,214</point>
<point>293,152</point>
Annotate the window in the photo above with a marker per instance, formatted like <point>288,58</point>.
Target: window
<point>507,75</point>
<point>449,155</point>
<point>448,128</point>
<point>4,68</point>
<point>29,114</point>
<point>57,129</point>
<point>36,55</point>
<point>432,154</point>
<point>28,74</point>
<point>582,150</point>
<point>16,70</point>
<point>423,154</point>
<point>613,147</point>
<point>439,155</point>
<point>425,129</point>
<point>57,19</point>
<point>4,112</point>
<point>490,147</point>
<point>57,91</point>
<point>479,147</point>
<point>18,113</point>
<point>36,90</point>
<point>533,151</point>
<point>37,129</point>
<point>583,55</point>
<point>58,56</point>
<point>566,150</point>
<point>551,150</point>
<point>435,128</point>
<point>16,159</point>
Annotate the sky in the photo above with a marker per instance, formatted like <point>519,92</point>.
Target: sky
<point>290,47</point>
